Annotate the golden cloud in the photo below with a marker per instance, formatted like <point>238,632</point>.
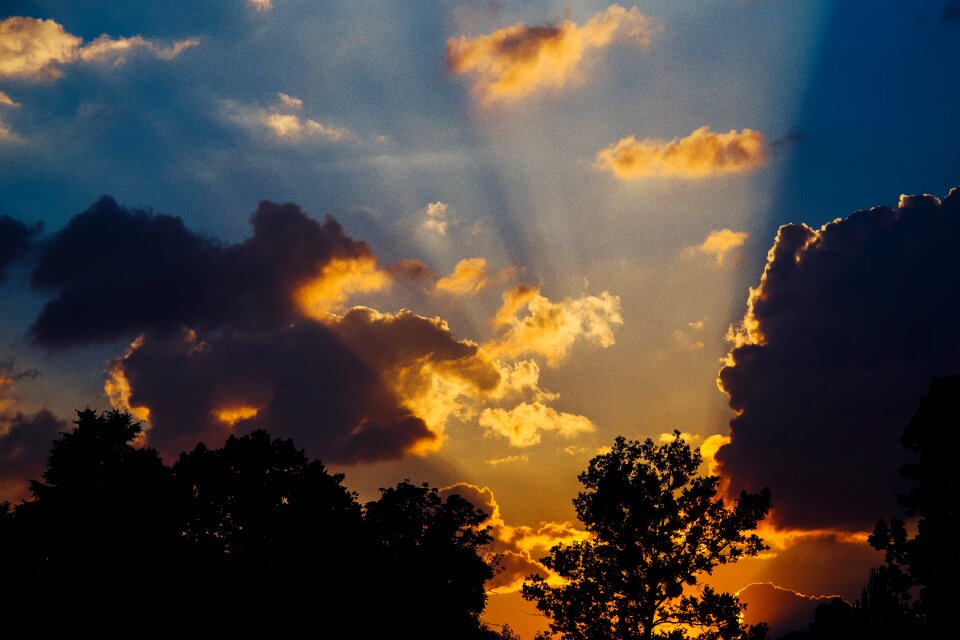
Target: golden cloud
<point>515,61</point>
<point>261,5</point>
<point>231,415</point>
<point>339,278</point>
<point>469,276</point>
<point>35,49</point>
<point>118,390</point>
<point>551,328</point>
<point>701,154</point>
<point>524,424</point>
<point>516,549</point>
<point>719,243</point>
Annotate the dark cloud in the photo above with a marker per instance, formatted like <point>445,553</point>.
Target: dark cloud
<point>301,382</point>
<point>224,341</point>
<point>15,238</point>
<point>25,438</point>
<point>25,441</point>
<point>841,338</point>
<point>117,272</point>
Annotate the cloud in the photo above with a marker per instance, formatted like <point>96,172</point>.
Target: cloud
<point>524,424</point>
<point>507,460</point>
<point>282,123</point>
<point>782,609</point>
<point>469,276</point>
<point>15,239</point>
<point>516,549</point>
<point>258,334</point>
<point>115,50</point>
<point>6,134</point>
<point>25,438</point>
<point>118,272</point>
<point>298,381</point>
<point>516,61</point>
<point>36,49</point>
<point>261,5</point>
<point>551,328</point>
<point>436,217</point>
<point>701,154</point>
<point>243,336</point>
<point>840,339</point>
<point>338,279</point>
<point>7,101</point>
<point>719,243</point>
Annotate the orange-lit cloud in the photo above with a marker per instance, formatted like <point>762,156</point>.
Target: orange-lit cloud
<point>36,49</point>
<point>524,424</point>
<point>282,122</point>
<point>117,387</point>
<point>233,414</point>
<point>720,243</point>
<point>701,154</point>
<point>338,279</point>
<point>514,62</point>
<point>261,5</point>
<point>469,276</point>
<point>517,549</point>
<point>550,328</point>
<point>436,217</point>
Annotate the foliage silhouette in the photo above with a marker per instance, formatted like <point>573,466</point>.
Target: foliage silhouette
<point>656,528</point>
<point>929,561</point>
<point>251,535</point>
<point>429,550</point>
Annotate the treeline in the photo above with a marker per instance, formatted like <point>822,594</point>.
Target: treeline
<point>255,536</point>
<point>248,536</point>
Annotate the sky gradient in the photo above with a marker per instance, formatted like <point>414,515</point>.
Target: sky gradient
<point>470,243</point>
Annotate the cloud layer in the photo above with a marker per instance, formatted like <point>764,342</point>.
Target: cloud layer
<point>701,154</point>
<point>258,334</point>
<point>842,336</point>
<point>35,49</point>
<point>516,61</point>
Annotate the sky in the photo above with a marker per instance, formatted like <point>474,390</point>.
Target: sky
<point>470,243</point>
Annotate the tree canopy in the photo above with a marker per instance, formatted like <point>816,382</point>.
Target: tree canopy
<point>251,535</point>
<point>657,527</point>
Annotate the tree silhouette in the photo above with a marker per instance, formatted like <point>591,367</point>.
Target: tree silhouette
<point>253,535</point>
<point>929,559</point>
<point>429,550</point>
<point>656,528</point>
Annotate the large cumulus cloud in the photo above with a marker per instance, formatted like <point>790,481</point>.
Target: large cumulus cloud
<point>257,334</point>
<point>846,329</point>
